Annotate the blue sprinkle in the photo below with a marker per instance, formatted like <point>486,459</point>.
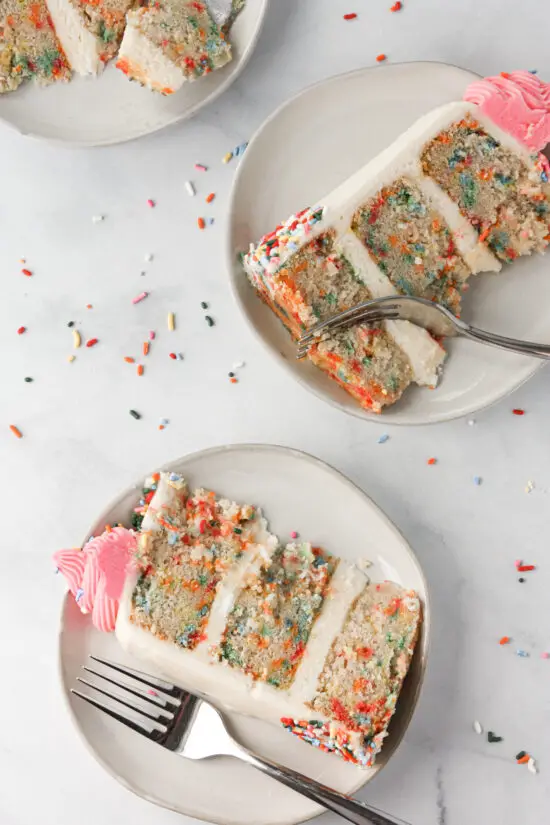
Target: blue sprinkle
<point>533,71</point>
<point>153,487</point>
<point>383,439</point>
<point>477,480</point>
<point>174,477</point>
<point>56,571</point>
<point>210,221</point>
<point>172,538</point>
<point>522,653</point>
<point>544,177</point>
<point>240,150</point>
<point>79,594</point>
<point>142,502</point>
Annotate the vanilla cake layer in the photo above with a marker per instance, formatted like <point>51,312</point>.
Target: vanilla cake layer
<point>255,626</point>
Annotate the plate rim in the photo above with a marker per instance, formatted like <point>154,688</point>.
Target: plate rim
<point>323,465</point>
<point>232,267</point>
<point>214,95</point>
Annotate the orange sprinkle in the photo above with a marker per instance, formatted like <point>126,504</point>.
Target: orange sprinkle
<point>16,431</point>
<point>140,369</point>
<point>233,380</point>
<point>505,640</point>
<point>380,58</point>
<point>524,759</point>
<point>156,476</point>
<point>432,461</point>
<point>130,360</point>
<point>26,272</point>
<point>201,223</point>
<point>485,234</point>
<point>108,528</point>
<point>146,347</point>
<point>210,197</point>
<point>89,306</point>
<point>396,6</point>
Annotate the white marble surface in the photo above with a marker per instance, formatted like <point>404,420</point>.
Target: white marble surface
<point>81,446</point>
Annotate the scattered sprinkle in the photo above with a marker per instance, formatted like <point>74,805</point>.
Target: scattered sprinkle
<point>148,258</point>
<point>16,431</point>
<point>204,305</point>
<point>210,197</point>
<point>92,342</point>
<point>522,653</point>
<point>545,655</point>
<point>89,306</point>
<point>171,321</point>
<point>380,58</point>
<point>471,422</point>
<point>28,379</point>
<point>200,167</point>
<point>432,461</point>
<point>27,272</point>
<point>140,369</point>
<point>97,218</point>
<point>383,439</point>
<point>173,355</point>
<point>530,486</point>
<point>163,423</point>
<point>240,149</point>
<point>524,568</point>
<point>135,414</point>
<point>209,320</point>
<point>478,727</point>
<point>151,203</point>
<point>179,356</point>
<point>77,340</point>
<point>151,335</point>
<point>477,480</point>
<point>518,411</point>
<point>233,380</point>
<point>350,16</point>
<point>226,158</point>
<point>293,534</point>
<point>21,330</point>
<point>532,766</point>
<point>505,640</point>
<point>492,737</point>
<point>70,324</point>
<point>191,191</point>
<point>396,6</point>
<point>139,298</point>
<point>238,365</point>
<point>201,223</point>
<point>210,221</point>
<point>521,580</point>
<point>524,759</point>
<point>71,358</point>
<point>520,755</point>
<point>129,359</point>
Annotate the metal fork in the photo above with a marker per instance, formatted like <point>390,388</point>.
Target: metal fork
<point>189,726</point>
<point>433,317</point>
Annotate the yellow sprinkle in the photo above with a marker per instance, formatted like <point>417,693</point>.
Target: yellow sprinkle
<point>228,157</point>
<point>171,321</point>
<point>71,358</point>
<point>76,339</point>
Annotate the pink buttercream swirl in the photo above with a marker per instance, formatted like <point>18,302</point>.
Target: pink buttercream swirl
<point>518,102</point>
<point>96,574</point>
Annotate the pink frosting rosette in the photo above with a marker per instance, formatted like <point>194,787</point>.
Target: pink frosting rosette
<point>517,102</point>
<point>96,574</point>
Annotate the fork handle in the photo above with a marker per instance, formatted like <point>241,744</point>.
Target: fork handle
<point>345,806</point>
<point>510,344</point>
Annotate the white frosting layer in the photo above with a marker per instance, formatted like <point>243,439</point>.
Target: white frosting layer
<point>79,44</point>
<point>146,61</point>
<point>198,671</point>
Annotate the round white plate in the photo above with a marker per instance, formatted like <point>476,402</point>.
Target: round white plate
<point>296,492</point>
<point>109,109</point>
<point>306,149</point>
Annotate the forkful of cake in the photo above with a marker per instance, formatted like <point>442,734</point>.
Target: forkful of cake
<point>434,318</point>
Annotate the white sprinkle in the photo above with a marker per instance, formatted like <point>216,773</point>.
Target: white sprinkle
<point>364,564</point>
<point>163,422</point>
<point>179,356</point>
<point>532,766</point>
<point>471,422</point>
<point>98,218</point>
<point>238,365</point>
<point>190,188</point>
<point>530,486</point>
<point>383,438</point>
<point>478,727</point>
<point>149,257</point>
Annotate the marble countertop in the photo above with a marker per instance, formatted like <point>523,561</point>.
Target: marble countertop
<point>81,446</point>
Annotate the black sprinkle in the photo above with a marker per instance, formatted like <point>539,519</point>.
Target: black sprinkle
<point>491,737</point>
<point>70,324</point>
<point>28,379</point>
<point>231,374</point>
<point>135,414</point>
<point>521,580</point>
<point>520,755</point>
<point>209,320</point>
<point>204,305</point>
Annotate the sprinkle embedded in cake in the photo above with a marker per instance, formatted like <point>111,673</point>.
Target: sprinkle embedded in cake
<point>269,626</point>
<point>411,243</point>
<point>506,200</point>
<point>194,541</point>
<point>170,41</point>
<point>89,30</point>
<point>29,47</point>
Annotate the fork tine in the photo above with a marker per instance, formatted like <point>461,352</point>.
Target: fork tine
<point>144,678</point>
<point>110,712</point>
<point>156,700</point>
<point>366,316</point>
<point>116,698</point>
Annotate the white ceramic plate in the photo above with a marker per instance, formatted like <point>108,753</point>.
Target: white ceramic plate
<point>312,144</point>
<point>109,109</point>
<point>296,492</point>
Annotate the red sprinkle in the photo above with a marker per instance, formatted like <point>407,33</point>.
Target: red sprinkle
<point>432,461</point>
<point>351,16</point>
<point>396,6</point>
<point>21,330</point>
<point>201,223</point>
<point>92,342</point>
<point>380,58</point>
<point>26,272</point>
<point>518,412</point>
<point>151,203</point>
<point>523,568</point>
<point>505,640</point>
<point>173,355</point>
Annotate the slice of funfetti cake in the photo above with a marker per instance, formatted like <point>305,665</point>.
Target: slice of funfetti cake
<point>167,42</point>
